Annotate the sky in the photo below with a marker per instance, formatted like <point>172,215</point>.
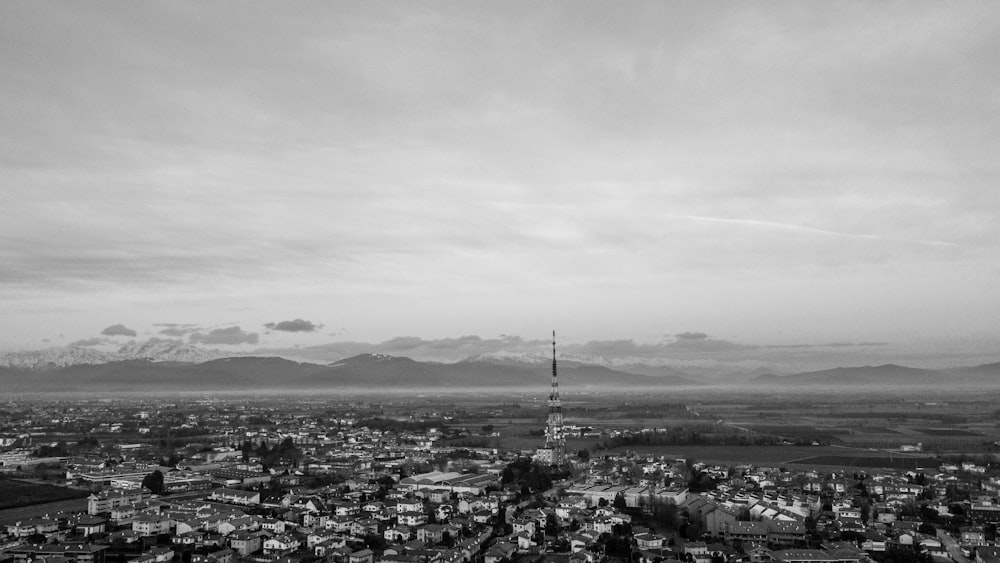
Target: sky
<point>779,175</point>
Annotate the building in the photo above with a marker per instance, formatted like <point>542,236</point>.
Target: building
<point>76,552</point>
<point>105,501</point>
<point>236,496</point>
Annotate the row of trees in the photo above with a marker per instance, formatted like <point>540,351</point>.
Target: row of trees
<point>285,452</point>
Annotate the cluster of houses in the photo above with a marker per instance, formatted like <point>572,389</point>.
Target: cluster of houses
<point>223,506</point>
<point>753,515</point>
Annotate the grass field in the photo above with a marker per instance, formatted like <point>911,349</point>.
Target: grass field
<point>15,493</point>
<point>946,432</point>
<point>866,462</point>
<point>11,515</point>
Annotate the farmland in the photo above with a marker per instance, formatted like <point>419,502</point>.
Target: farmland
<point>15,493</point>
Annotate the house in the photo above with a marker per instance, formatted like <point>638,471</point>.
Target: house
<point>340,523</point>
<point>152,524</point>
<point>32,526</point>
<point>695,548</point>
<point>242,523</point>
<point>717,520</point>
<point>409,505</point>
<point>874,541</point>
<point>103,502</point>
<point>328,547</point>
<point>365,527</point>
<point>273,525</point>
<point>482,516</point>
<point>431,533</point>
<point>411,518</point>
<point>191,538</point>
<point>648,541</point>
<point>582,540</point>
<point>438,496</point>
<point>973,536</point>
<point>281,545</point>
<point>525,541</point>
<point>746,532</point>
<point>236,496</point>
<point>220,556</point>
<point>319,537</point>
<point>398,533</point>
<point>86,525</point>
<point>523,525</point>
<point>361,556</point>
<point>246,542</point>
<point>499,552</point>
<point>759,554</point>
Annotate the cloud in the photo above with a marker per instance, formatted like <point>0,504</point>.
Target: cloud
<point>830,345</point>
<point>297,325</point>
<point>691,336</point>
<point>440,349</point>
<point>95,341</point>
<point>178,329</point>
<point>230,336</point>
<point>118,330</point>
<point>684,345</point>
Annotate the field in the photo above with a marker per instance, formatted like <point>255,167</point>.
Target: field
<point>15,493</point>
<point>871,462</point>
<point>817,429</point>
<point>11,515</point>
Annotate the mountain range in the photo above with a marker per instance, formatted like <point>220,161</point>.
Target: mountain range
<point>366,371</point>
<point>168,365</point>
<point>888,375</point>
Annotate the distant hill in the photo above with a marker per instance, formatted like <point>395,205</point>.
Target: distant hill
<point>365,371</point>
<point>985,373</point>
<point>379,371</point>
<point>666,373</point>
<point>884,375</point>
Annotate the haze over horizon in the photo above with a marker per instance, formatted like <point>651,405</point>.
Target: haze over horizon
<point>780,182</point>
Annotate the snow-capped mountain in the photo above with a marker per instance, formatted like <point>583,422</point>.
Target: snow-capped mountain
<point>169,350</point>
<point>154,349</point>
<point>368,358</point>
<point>509,359</point>
<point>54,357</point>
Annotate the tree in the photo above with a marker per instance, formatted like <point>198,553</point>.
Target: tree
<point>664,512</point>
<point>154,482</point>
<point>619,502</point>
<point>246,449</point>
<point>172,460</point>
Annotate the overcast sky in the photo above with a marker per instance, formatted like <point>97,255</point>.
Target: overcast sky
<point>765,173</point>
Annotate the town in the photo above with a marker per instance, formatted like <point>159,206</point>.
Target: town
<point>353,481</point>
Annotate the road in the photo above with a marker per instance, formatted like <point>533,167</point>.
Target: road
<point>952,546</point>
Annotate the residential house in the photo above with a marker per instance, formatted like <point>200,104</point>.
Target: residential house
<point>246,542</point>
<point>281,545</point>
<point>152,524</point>
<point>236,496</point>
